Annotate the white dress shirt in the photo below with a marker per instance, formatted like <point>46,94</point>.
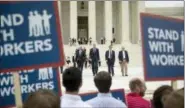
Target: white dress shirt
<point>110,53</point>
<point>80,52</point>
<point>73,101</point>
<point>105,100</point>
<point>123,52</point>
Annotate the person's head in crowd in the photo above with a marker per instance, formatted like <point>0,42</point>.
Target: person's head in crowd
<point>174,99</point>
<point>42,99</point>
<point>72,79</point>
<point>159,95</point>
<point>103,81</point>
<point>110,47</point>
<point>138,86</point>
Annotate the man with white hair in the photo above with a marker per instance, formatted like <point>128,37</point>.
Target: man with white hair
<point>123,60</point>
<point>135,98</point>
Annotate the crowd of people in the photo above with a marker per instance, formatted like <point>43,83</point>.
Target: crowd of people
<point>85,41</point>
<point>80,59</point>
<point>72,79</point>
<point>80,41</point>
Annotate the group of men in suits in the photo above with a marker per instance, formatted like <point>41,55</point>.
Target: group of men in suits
<point>94,57</point>
<point>123,60</point>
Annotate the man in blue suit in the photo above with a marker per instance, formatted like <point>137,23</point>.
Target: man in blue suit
<point>123,60</point>
<point>110,59</point>
<point>94,58</point>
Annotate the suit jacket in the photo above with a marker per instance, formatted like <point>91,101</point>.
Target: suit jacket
<point>120,56</point>
<point>73,59</point>
<point>94,56</point>
<point>80,58</point>
<point>112,60</point>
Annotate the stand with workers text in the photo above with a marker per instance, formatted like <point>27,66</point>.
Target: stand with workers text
<point>163,47</point>
<point>31,81</point>
<point>31,49</point>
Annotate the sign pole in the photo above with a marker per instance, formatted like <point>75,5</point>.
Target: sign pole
<point>174,84</point>
<point>17,87</point>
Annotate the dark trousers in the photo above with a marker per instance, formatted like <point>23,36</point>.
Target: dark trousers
<point>86,64</point>
<point>94,67</point>
<point>74,64</point>
<point>110,68</point>
<point>80,65</point>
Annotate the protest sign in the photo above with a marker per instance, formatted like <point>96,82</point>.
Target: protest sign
<point>30,35</point>
<point>163,47</point>
<point>31,80</point>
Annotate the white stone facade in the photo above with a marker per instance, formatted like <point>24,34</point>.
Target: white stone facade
<point>100,14</point>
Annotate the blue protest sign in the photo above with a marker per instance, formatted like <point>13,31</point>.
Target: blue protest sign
<point>31,81</point>
<point>163,47</point>
<point>117,93</point>
<point>30,35</point>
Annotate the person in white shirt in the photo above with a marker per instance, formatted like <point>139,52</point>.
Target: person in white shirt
<point>104,99</point>
<point>123,60</point>
<point>72,81</point>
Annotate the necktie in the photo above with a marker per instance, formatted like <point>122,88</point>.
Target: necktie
<point>123,54</point>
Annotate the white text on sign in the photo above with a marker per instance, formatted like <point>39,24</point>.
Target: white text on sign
<point>37,25</point>
<point>164,43</point>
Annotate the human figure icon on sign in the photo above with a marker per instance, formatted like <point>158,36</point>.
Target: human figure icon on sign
<point>32,27</point>
<point>43,74</point>
<point>39,25</point>
<point>50,71</point>
<point>46,18</point>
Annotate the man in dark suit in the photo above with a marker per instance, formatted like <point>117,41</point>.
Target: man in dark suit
<point>110,59</point>
<point>94,58</point>
<point>123,60</point>
<point>80,58</point>
<point>85,61</point>
<point>74,60</point>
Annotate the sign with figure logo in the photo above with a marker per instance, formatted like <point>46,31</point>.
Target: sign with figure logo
<point>31,80</point>
<point>117,93</point>
<point>30,35</point>
<point>163,47</point>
